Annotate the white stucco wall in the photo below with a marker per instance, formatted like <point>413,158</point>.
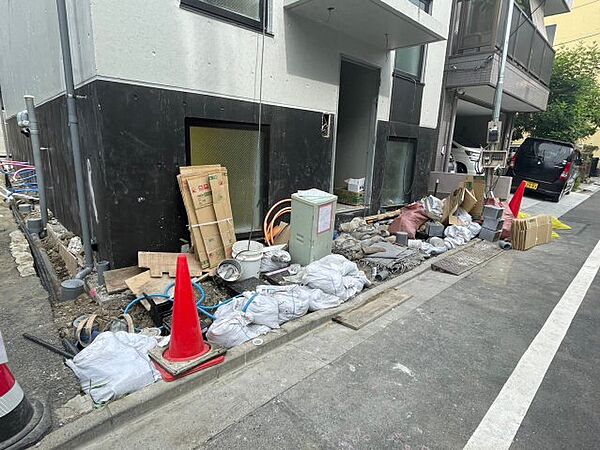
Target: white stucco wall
<point>161,44</point>
<point>30,56</point>
<point>434,68</point>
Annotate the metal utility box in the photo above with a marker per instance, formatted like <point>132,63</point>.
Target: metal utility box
<point>312,222</point>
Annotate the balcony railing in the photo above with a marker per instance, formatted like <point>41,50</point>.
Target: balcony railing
<point>481,30</point>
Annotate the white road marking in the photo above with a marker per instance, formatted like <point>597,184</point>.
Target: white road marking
<point>502,421</point>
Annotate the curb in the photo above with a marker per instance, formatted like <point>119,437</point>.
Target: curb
<point>101,422</point>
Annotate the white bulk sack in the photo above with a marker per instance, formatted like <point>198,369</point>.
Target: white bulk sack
<point>115,364</point>
<point>233,328</point>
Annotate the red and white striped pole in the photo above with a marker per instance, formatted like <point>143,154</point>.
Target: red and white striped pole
<point>22,423</point>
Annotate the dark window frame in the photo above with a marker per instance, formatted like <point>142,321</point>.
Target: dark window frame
<point>265,129</point>
<point>230,16</point>
<point>412,140</point>
<point>426,5</point>
<point>419,77</point>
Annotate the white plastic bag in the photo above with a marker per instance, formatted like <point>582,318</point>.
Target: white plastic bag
<point>115,364</point>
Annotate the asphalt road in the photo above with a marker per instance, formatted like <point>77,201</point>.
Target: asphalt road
<point>503,357</point>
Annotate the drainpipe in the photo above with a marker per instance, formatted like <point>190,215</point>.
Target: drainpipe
<point>489,172</point>
<point>74,135</point>
<point>450,130</point>
<point>37,157</point>
<point>502,69</point>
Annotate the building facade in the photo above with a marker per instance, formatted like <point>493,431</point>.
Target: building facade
<point>473,61</point>
<point>342,89</point>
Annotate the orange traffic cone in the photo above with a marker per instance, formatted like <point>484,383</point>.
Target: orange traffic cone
<point>515,201</point>
<point>187,352</point>
<point>22,423</point>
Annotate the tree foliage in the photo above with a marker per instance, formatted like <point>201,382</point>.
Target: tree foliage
<point>573,111</point>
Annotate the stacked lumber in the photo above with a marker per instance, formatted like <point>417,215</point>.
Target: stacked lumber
<point>205,192</point>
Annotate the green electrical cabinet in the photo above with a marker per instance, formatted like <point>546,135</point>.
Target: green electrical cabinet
<point>312,223</point>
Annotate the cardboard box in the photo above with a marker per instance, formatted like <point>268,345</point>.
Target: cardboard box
<point>205,192</point>
<point>476,184</point>
<point>527,233</point>
<point>350,198</point>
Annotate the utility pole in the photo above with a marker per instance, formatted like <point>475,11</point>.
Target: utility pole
<point>496,157</point>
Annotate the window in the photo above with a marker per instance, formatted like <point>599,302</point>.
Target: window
<point>425,5</point>
<point>234,146</point>
<point>250,13</point>
<point>409,61</point>
<point>398,173</point>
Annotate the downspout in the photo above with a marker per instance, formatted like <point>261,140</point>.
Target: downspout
<point>450,131</point>
<point>37,157</point>
<point>74,136</point>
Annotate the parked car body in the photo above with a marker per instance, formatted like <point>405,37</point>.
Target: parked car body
<point>547,166</point>
<point>466,159</point>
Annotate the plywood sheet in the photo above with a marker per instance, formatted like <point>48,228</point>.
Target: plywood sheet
<point>115,279</point>
<point>161,263</point>
<point>361,316</point>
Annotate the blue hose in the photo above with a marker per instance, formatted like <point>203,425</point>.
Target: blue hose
<point>139,299</point>
<point>249,302</point>
<point>202,308</point>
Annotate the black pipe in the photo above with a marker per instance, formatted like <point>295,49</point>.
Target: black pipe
<point>48,345</point>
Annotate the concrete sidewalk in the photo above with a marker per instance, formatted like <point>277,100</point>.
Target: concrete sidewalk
<point>24,307</point>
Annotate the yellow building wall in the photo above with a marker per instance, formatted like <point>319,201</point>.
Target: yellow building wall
<point>582,24</point>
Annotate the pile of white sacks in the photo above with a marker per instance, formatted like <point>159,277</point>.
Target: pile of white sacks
<point>326,283</point>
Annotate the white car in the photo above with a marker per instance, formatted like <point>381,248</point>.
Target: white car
<point>466,159</point>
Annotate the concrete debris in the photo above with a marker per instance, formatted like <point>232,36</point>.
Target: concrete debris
<point>359,239</point>
<point>395,259</point>
<point>75,246</point>
<point>19,248</point>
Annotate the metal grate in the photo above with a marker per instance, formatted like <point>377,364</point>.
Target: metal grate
<point>468,258</point>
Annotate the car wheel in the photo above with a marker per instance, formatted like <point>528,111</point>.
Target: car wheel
<point>461,168</point>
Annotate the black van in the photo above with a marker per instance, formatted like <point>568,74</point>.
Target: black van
<point>547,166</point>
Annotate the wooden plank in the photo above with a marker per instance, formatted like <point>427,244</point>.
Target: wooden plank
<point>361,316</point>
<point>160,263</point>
<point>383,216</point>
<point>222,207</point>
<point>145,283</point>
<point>115,279</point>
<point>69,258</point>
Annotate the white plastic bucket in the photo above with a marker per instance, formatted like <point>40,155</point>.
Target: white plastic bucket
<point>249,257</point>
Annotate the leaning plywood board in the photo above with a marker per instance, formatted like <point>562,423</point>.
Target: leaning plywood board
<point>185,174</point>
<point>192,220</point>
<point>115,280</point>
<point>166,263</point>
<point>361,316</point>
<point>214,220</point>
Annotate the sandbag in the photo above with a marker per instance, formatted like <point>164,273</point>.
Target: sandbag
<point>263,309</point>
<point>335,275</point>
<point>233,327</point>
<point>410,220</point>
<point>115,364</point>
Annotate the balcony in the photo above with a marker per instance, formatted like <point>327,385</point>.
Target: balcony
<point>477,45</point>
<point>386,24</point>
<point>482,30</point>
